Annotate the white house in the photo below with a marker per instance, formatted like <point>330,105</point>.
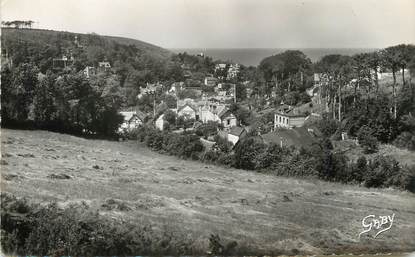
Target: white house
<point>150,89</point>
<point>210,112</point>
<point>132,120</point>
<point>227,119</point>
<point>105,65</point>
<point>175,87</point>
<point>220,66</point>
<point>233,71</point>
<point>207,114</point>
<point>233,135</point>
<point>288,117</point>
<point>89,71</point>
<point>188,111</point>
<point>210,81</point>
<point>160,122</point>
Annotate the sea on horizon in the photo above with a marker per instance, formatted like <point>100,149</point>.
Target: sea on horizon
<point>253,56</point>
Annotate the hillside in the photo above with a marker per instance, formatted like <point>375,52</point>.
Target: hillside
<point>121,65</point>
<point>48,37</point>
<point>266,214</point>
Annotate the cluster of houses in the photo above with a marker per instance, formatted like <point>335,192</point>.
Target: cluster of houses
<point>92,71</point>
<point>202,111</point>
<point>292,126</point>
<point>68,60</point>
<point>63,62</point>
<point>231,70</point>
<point>151,89</point>
<point>214,107</point>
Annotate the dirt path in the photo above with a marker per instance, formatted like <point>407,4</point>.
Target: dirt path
<point>126,181</point>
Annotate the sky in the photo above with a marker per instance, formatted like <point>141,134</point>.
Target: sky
<point>229,23</point>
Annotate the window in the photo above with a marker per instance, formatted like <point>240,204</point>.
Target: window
<point>228,122</point>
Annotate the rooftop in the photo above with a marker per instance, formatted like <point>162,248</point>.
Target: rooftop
<point>298,137</point>
<point>236,131</point>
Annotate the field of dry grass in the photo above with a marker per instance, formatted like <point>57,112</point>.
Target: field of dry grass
<point>125,181</point>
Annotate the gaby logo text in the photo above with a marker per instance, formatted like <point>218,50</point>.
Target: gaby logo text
<point>378,224</point>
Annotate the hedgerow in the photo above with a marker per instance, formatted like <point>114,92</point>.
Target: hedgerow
<point>320,161</point>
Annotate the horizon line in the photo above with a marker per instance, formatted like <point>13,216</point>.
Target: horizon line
<point>236,48</point>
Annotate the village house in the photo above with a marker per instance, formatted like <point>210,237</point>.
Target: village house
<point>218,87</point>
<point>160,122</point>
<point>210,81</point>
<point>233,71</point>
<point>150,89</point>
<point>298,137</point>
<point>234,135</point>
<point>132,120</point>
<point>89,71</point>
<point>228,119</point>
<point>176,87</point>
<point>288,117</point>
<point>220,66</point>
<point>188,111</point>
<point>104,66</point>
<point>62,63</point>
<point>210,112</point>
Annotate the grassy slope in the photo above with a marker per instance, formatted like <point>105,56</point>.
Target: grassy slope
<point>41,35</point>
<point>259,211</point>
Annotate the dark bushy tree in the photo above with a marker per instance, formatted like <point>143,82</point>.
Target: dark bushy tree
<point>367,140</point>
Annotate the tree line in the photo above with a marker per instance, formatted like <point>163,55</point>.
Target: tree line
<point>318,161</point>
<point>18,24</point>
<point>66,103</point>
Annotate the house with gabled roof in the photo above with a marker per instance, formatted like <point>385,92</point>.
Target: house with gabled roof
<point>132,120</point>
<point>227,118</point>
<point>233,135</point>
<point>160,122</point>
<point>188,111</point>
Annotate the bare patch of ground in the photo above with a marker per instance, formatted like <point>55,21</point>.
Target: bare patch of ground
<point>122,180</point>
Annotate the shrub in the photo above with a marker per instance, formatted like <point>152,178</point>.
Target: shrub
<point>359,169</point>
<point>49,230</point>
<point>405,179</point>
<point>222,144</point>
<point>182,145</point>
<point>405,140</point>
<point>367,140</point>
<point>227,159</point>
<point>249,154</point>
<point>252,154</point>
<point>382,172</point>
<point>327,126</point>
<point>207,129</point>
